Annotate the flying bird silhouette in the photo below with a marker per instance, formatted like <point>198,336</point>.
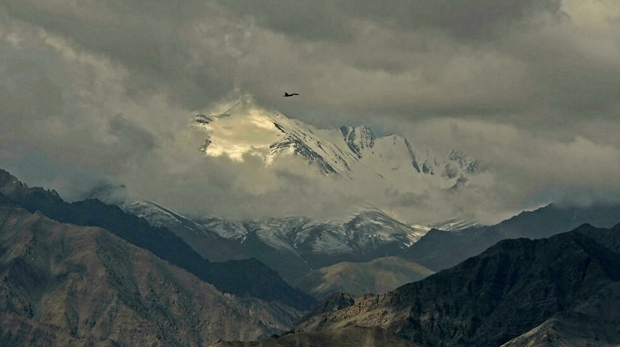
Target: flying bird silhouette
<point>286,95</point>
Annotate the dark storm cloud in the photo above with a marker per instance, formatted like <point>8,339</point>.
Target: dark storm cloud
<point>331,20</point>
<point>153,40</point>
<point>135,136</point>
<point>475,20</point>
<point>575,72</point>
<point>399,57</point>
<point>421,58</point>
<point>308,20</point>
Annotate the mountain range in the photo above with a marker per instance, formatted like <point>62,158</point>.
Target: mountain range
<point>296,246</point>
<point>88,273</point>
<point>317,257</point>
<point>560,291</point>
<point>246,277</point>
<point>293,246</point>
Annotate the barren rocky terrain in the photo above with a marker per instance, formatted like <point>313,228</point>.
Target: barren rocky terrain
<point>82,286</point>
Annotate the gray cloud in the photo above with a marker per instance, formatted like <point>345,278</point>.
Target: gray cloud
<point>159,43</point>
<point>326,20</point>
<point>102,91</point>
<point>307,20</point>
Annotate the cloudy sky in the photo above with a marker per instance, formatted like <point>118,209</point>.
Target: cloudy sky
<point>97,94</point>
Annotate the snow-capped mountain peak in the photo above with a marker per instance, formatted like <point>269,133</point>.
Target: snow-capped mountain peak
<point>246,128</point>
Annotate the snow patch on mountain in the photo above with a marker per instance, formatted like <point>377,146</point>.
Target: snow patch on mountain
<point>367,230</point>
<point>160,216</point>
<point>227,229</point>
<point>455,224</point>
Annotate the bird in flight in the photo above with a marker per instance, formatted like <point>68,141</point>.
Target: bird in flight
<point>286,95</point>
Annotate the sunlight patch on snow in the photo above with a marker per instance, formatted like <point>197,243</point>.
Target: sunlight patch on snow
<point>240,134</point>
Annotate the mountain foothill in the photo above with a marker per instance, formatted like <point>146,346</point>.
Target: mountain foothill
<point>89,273</point>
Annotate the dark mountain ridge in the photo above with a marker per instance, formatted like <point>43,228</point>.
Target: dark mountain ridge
<point>247,277</point>
<point>608,238</point>
<point>438,250</point>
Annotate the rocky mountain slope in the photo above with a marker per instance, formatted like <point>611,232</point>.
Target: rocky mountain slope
<point>507,291</point>
<point>68,285</point>
<point>594,322</point>
<point>247,277</point>
<point>377,276</point>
